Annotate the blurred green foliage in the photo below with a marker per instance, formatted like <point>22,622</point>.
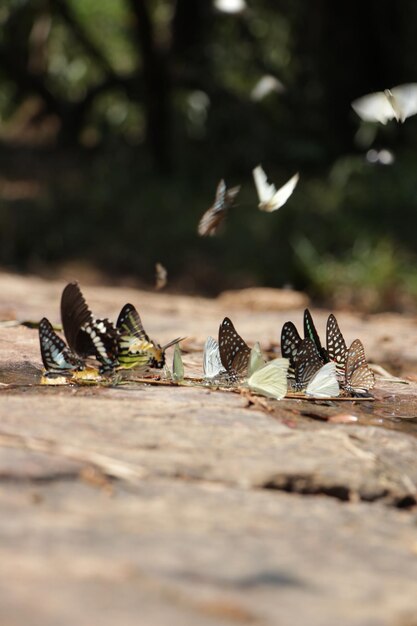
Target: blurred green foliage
<point>118,118</point>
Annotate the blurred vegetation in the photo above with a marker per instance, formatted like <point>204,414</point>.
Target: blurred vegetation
<point>118,118</point>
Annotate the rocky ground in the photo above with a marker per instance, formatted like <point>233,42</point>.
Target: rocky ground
<point>162,505</point>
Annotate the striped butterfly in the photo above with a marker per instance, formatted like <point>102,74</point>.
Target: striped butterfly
<point>57,358</point>
<point>359,379</point>
<point>135,347</point>
<point>271,379</point>
<point>271,199</point>
<point>215,215</point>
<point>324,382</point>
<point>307,363</point>
<point>212,364</point>
<point>310,332</point>
<point>290,341</point>
<point>256,359</point>
<point>395,103</point>
<point>234,352</point>
<point>87,336</point>
<point>335,343</point>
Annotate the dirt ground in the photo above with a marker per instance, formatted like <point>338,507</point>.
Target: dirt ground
<point>155,505</point>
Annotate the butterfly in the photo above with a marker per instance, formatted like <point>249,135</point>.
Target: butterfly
<point>57,358</point>
<point>335,343</point>
<point>310,332</point>
<point>271,379</point>
<point>212,364</point>
<point>307,363</point>
<point>396,103</point>
<point>161,276</point>
<point>359,379</point>
<point>85,335</point>
<point>290,341</point>
<point>256,360</point>
<point>215,215</point>
<point>135,347</point>
<point>269,198</point>
<point>234,352</point>
<point>324,382</point>
<point>177,364</point>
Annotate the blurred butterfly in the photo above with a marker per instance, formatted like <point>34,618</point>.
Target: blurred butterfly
<point>271,199</point>
<point>256,359</point>
<point>177,364</point>
<point>57,358</point>
<point>359,379</point>
<point>212,364</point>
<point>335,343</point>
<point>271,379</point>
<point>307,363</point>
<point>396,103</point>
<point>310,332</point>
<point>215,215</point>
<point>234,352</point>
<point>87,336</point>
<point>161,276</point>
<point>290,341</point>
<point>324,382</point>
<point>135,347</point>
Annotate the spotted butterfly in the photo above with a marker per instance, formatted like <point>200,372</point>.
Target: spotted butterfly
<point>57,358</point>
<point>215,215</point>
<point>335,343</point>
<point>135,347</point>
<point>310,332</point>
<point>359,379</point>
<point>290,341</point>
<point>87,336</point>
<point>234,352</point>
<point>307,363</point>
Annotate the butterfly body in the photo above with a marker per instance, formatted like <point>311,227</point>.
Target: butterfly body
<point>234,352</point>
<point>57,358</point>
<point>397,103</point>
<point>271,199</point>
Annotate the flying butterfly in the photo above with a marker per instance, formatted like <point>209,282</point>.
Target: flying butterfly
<point>57,358</point>
<point>256,359</point>
<point>397,103</point>
<point>359,379</point>
<point>161,276</point>
<point>87,336</point>
<point>135,347</point>
<point>290,341</point>
<point>234,352</point>
<point>271,379</point>
<point>271,199</point>
<point>310,332</point>
<point>212,364</point>
<point>324,382</point>
<point>215,215</point>
<point>335,343</point>
<point>307,363</point>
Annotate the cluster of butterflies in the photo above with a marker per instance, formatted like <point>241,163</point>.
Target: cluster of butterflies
<point>120,346</point>
<point>305,364</point>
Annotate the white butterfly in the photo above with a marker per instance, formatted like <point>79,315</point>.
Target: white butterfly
<point>269,198</point>
<point>396,103</point>
<point>177,364</point>
<point>212,365</point>
<point>271,380</point>
<point>256,360</point>
<point>324,382</point>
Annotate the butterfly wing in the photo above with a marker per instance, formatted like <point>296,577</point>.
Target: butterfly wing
<point>234,352</point>
<point>281,196</point>
<point>290,341</point>
<point>310,332</point>
<point>335,343</point>
<point>404,100</point>
<point>212,365</point>
<point>177,364</point>
<point>74,315</point>
<point>161,276</point>
<point>324,382</point>
<point>271,380</point>
<point>374,107</point>
<point>256,359</point>
<point>307,363</point>
<point>358,377</point>
<point>129,323</point>
<point>264,189</point>
<point>215,215</point>
<point>57,358</point>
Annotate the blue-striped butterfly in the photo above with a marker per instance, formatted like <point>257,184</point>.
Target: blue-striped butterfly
<point>57,358</point>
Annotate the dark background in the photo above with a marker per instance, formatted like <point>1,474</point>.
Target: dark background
<point>119,117</point>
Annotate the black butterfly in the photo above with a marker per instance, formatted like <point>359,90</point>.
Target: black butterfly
<point>307,363</point>
<point>215,215</point>
<point>311,333</point>
<point>290,341</point>
<point>87,336</point>
<point>57,358</point>
<point>335,343</point>
<point>359,379</point>
<point>135,347</point>
<point>234,352</point>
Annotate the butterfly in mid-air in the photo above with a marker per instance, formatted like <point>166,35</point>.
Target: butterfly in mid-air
<point>234,352</point>
<point>359,379</point>
<point>271,379</point>
<point>271,199</point>
<point>212,364</point>
<point>57,358</point>
<point>324,382</point>
<point>335,343</point>
<point>135,346</point>
<point>307,363</point>
<point>161,276</point>
<point>310,332</point>
<point>86,335</point>
<point>382,106</point>
<point>215,215</point>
